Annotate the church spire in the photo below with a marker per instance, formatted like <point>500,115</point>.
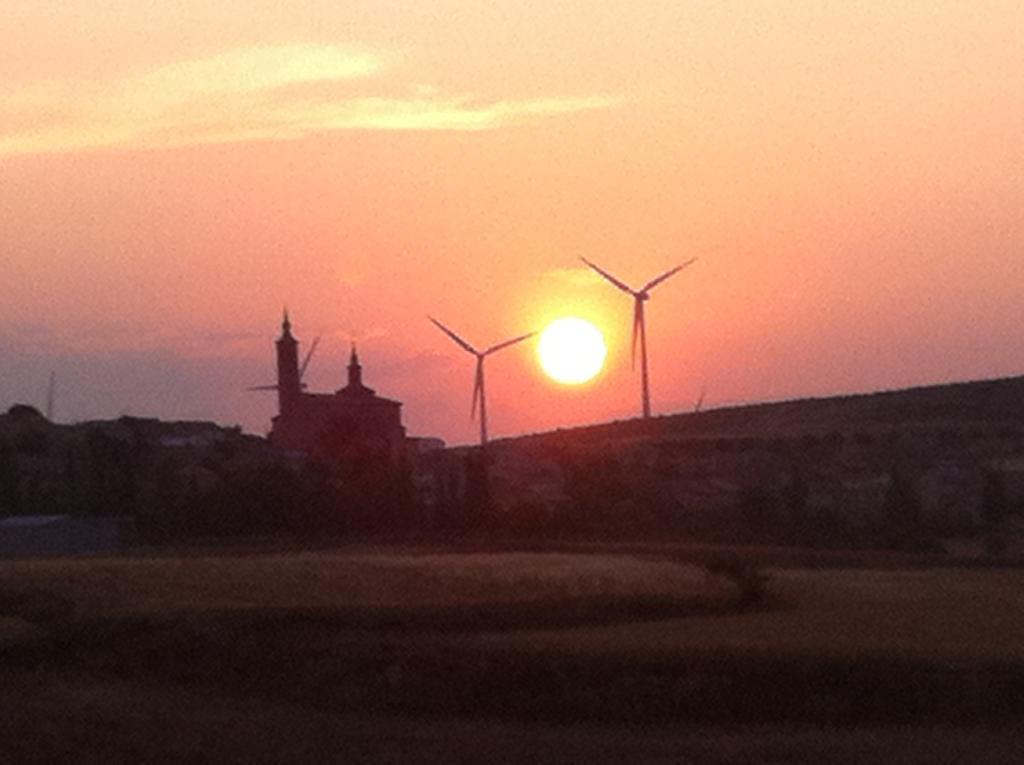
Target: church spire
<point>286,324</point>
<point>355,370</point>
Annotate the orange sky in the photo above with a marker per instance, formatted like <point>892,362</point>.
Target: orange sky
<point>850,175</point>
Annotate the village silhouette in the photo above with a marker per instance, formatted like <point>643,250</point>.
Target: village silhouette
<point>898,470</point>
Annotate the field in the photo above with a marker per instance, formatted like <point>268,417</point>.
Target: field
<point>428,655</point>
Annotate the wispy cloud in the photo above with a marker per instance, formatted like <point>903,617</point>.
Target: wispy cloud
<point>262,93</point>
<point>248,70</point>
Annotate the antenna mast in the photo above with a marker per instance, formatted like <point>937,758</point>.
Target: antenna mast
<point>51,396</point>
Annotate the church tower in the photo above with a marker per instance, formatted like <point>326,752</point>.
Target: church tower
<point>289,387</point>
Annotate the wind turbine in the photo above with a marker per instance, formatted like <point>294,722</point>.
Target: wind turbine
<point>479,399</point>
<point>640,296</point>
<point>302,369</point>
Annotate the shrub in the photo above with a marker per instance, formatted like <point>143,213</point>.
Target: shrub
<point>758,508</point>
<point>751,582</point>
<point>995,502</point>
<point>901,511</point>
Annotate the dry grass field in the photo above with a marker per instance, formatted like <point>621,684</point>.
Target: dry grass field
<point>379,655</point>
<point>165,585</point>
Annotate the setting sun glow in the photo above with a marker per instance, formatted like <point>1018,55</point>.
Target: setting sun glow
<point>571,350</point>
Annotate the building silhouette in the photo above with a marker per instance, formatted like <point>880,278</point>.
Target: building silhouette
<point>351,423</point>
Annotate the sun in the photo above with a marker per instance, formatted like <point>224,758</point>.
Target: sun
<point>571,350</point>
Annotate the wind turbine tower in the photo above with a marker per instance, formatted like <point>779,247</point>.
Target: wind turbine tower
<point>479,396</point>
<point>640,297</point>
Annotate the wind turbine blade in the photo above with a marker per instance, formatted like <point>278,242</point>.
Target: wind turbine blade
<point>263,387</point>
<point>309,356</point>
<point>453,336</point>
<point>507,343</point>
<point>655,282</point>
<point>622,286</point>
<point>478,387</point>
<point>637,308</point>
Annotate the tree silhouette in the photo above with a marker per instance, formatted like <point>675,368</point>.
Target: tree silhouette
<point>758,509</point>
<point>796,497</point>
<point>478,500</point>
<point>995,507</point>
<point>995,501</point>
<point>902,511</point>
<point>10,497</point>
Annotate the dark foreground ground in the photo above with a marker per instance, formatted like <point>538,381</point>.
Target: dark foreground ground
<point>374,655</point>
<point>92,720</point>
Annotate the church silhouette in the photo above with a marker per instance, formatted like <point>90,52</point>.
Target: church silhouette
<point>351,423</point>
